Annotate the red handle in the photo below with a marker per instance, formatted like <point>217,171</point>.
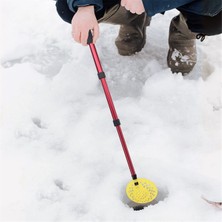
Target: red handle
<point>116,121</point>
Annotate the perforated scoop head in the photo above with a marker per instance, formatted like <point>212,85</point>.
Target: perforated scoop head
<point>141,191</point>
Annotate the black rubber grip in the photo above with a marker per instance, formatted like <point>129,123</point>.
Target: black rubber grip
<point>90,38</point>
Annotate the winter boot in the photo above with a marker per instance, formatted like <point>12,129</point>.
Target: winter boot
<point>132,36</point>
<point>132,33</point>
<point>182,55</point>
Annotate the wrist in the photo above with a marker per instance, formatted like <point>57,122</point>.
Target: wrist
<point>86,8</point>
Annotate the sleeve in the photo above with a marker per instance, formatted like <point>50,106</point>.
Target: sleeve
<point>153,7</point>
<point>74,4</point>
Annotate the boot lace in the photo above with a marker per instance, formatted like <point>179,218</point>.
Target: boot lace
<point>200,37</point>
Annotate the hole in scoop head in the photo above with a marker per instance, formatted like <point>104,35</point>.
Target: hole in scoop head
<point>137,208</point>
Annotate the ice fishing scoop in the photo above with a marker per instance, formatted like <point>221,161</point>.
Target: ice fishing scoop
<point>139,191</point>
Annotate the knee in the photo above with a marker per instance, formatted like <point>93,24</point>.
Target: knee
<point>63,10</point>
<point>206,25</point>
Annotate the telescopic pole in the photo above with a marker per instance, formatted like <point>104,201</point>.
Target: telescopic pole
<point>115,118</point>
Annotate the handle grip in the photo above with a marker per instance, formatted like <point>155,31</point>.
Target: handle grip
<point>90,38</point>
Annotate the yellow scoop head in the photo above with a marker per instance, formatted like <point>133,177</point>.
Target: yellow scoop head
<point>141,191</point>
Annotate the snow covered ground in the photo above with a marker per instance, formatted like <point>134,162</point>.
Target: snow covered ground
<point>61,159</point>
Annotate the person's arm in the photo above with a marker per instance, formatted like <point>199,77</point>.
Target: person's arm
<point>74,4</point>
<point>83,21</point>
<point>153,7</point>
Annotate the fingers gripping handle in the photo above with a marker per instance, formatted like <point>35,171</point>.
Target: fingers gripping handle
<point>90,38</point>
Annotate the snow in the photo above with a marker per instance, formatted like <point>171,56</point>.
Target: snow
<point>61,159</point>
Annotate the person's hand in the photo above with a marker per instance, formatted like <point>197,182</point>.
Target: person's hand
<point>134,6</point>
<point>83,21</point>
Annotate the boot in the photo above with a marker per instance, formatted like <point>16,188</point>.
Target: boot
<point>132,32</point>
<point>132,36</point>
<point>182,54</point>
